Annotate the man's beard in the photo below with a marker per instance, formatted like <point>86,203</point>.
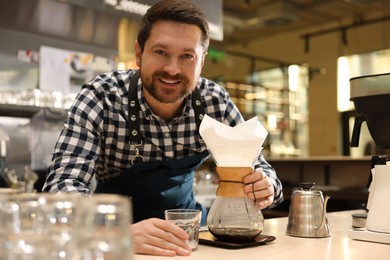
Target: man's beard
<point>165,96</point>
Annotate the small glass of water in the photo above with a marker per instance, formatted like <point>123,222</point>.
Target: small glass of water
<point>189,220</point>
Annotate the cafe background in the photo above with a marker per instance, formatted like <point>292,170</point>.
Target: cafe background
<point>287,62</point>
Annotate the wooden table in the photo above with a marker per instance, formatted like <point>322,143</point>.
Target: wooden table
<point>338,246</point>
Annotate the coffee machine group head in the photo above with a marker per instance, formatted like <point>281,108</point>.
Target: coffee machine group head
<point>371,97</point>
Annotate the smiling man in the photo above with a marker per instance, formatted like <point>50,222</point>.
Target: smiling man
<point>170,68</point>
<point>136,131</point>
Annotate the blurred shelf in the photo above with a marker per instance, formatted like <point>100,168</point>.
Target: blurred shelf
<point>20,111</point>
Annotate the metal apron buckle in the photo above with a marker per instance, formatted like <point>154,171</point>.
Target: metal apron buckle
<point>137,157</point>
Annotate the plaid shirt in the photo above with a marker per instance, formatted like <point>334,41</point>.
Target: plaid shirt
<point>95,139</point>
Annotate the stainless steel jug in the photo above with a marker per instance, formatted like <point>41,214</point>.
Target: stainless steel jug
<point>307,215</point>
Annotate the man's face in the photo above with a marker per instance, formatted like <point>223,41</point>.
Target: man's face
<point>171,62</point>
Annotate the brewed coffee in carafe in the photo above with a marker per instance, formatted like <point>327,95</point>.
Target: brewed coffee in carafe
<point>233,216</point>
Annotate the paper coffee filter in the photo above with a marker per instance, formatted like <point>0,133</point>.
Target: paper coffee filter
<point>237,146</point>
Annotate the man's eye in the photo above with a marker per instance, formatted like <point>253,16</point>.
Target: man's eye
<point>160,52</point>
<point>188,56</point>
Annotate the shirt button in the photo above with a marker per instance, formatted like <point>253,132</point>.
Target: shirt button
<point>167,134</point>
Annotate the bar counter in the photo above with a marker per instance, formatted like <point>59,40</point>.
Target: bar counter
<point>337,246</point>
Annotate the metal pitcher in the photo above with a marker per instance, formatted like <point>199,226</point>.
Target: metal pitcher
<point>307,215</point>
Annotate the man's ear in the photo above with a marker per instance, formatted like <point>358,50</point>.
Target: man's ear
<point>203,58</point>
<point>137,53</point>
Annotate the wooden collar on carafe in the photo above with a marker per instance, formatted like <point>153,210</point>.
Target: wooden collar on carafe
<point>231,181</point>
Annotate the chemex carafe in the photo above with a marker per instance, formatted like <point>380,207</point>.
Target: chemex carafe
<point>307,216</point>
<point>234,217</point>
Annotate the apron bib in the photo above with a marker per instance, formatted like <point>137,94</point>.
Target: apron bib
<point>157,186</point>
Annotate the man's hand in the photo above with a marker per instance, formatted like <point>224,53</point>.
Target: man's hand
<point>259,187</point>
<point>159,237</point>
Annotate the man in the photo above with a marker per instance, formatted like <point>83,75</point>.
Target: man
<point>139,136</point>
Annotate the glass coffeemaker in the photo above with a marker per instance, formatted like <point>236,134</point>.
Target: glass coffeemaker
<point>233,216</point>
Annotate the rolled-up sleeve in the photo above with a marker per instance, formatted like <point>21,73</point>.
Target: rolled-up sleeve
<point>77,149</point>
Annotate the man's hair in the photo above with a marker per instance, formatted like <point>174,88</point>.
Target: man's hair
<point>180,11</point>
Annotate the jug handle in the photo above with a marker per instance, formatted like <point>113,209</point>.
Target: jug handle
<point>323,220</point>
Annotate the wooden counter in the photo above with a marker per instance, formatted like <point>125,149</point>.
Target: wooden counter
<point>343,178</point>
<point>336,171</point>
<point>336,247</point>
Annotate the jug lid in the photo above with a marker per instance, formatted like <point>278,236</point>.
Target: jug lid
<point>305,188</point>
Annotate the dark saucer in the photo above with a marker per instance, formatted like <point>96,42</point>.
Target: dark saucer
<point>206,238</point>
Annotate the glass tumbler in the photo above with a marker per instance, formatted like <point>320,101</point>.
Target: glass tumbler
<point>104,226</point>
<point>61,222</point>
<point>189,220</point>
<point>24,228</point>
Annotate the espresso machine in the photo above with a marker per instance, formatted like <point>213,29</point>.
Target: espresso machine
<point>371,97</point>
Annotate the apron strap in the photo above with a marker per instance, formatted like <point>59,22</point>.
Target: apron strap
<point>198,108</point>
<point>134,108</point>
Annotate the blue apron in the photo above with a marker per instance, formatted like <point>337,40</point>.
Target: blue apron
<point>157,186</point>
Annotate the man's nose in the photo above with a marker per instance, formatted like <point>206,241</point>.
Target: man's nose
<point>172,66</point>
